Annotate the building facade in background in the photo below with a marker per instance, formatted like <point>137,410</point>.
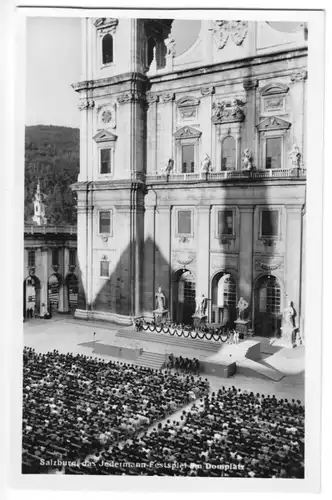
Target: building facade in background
<point>192,170</point>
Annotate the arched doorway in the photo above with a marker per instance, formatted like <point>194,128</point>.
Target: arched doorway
<point>72,287</point>
<point>267,299</point>
<point>183,296</point>
<point>53,292</point>
<point>31,296</point>
<point>223,299</point>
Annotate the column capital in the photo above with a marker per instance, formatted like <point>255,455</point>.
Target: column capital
<point>299,76</point>
<point>249,84</point>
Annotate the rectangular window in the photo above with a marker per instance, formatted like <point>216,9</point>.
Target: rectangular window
<point>72,257</point>
<point>184,222</point>
<point>225,222</point>
<point>273,153</point>
<point>55,257</point>
<point>31,258</point>
<point>188,158</point>
<point>104,269</point>
<point>105,222</point>
<point>105,161</point>
<point>270,223</point>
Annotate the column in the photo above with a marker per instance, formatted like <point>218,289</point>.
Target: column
<point>246,253</point>
<point>203,251</point>
<point>149,260</point>
<point>293,256</point>
<point>44,281</point>
<point>63,292</point>
<point>249,139</point>
<point>163,252</point>
<point>82,262</point>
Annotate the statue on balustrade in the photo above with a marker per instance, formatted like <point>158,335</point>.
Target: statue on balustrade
<point>242,307</point>
<point>201,305</point>
<point>160,301</point>
<point>169,167</point>
<point>170,46</point>
<point>247,159</point>
<point>295,156</point>
<point>206,164</point>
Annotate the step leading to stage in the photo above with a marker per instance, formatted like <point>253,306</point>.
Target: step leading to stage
<point>151,360</point>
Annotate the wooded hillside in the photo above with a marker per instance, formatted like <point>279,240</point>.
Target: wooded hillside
<point>52,156</point>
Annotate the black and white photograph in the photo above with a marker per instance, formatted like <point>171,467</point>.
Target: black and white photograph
<point>165,295</point>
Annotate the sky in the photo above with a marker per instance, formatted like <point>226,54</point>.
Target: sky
<point>53,64</point>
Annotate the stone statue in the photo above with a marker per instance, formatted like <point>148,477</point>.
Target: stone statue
<point>206,164</point>
<point>169,167</point>
<point>242,306</point>
<point>295,156</point>
<point>200,305</point>
<point>160,300</point>
<point>170,46</point>
<point>247,159</point>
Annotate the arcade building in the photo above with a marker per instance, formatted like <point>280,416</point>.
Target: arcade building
<point>51,275</point>
<point>192,170</point>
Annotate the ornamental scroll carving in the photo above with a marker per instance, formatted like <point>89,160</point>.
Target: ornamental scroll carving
<point>269,265</point>
<point>223,30</point>
<point>299,76</point>
<point>168,97</point>
<point>183,258</point>
<point>129,97</point>
<point>87,104</point>
<point>106,25</point>
<point>152,98</point>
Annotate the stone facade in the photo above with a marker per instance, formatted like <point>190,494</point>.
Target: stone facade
<point>241,84</point>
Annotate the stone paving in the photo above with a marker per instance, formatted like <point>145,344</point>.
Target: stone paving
<point>67,334</point>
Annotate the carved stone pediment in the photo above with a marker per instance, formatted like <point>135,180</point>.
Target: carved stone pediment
<point>274,88</point>
<point>273,123</point>
<point>187,133</point>
<point>188,101</point>
<point>105,136</point>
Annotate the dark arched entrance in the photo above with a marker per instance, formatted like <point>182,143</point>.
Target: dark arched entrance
<point>54,291</point>
<point>267,298</point>
<point>31,295</point>
<point>183,296</point>
<point>223,299</point>
<point>72,287</point>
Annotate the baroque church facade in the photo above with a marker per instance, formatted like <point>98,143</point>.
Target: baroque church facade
<point>192,170</point>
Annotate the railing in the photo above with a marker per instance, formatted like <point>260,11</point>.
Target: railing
<point>32,229</point>
<point>229,174</point>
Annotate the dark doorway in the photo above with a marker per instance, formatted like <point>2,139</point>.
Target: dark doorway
<point>183,297</point>
<point>31,296</point>
<point>223,299</point>
<point>72,287</point>
<point>267,296</point>
<point>53,291</point>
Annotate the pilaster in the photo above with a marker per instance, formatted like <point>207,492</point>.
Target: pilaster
<point>246,252</point>
<point>203,250</point>
<point>163,250</point>
<point>293,255</point>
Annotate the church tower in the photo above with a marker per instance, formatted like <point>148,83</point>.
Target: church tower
<point>116,54</point>
<point>39,208</point>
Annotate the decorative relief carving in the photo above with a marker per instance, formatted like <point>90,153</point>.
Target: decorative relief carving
<point>106,115</point>
<point>269,242</point>
<point>87,104</point>
<point>183,258</point>
<point>184,239</point>
<point>299,76</point>
<point>170,46</point>
<point>207,91</point>
<point>106,25</point>
<point>274,104</point>
<point>271,264</point>
<point>228,111</point>
<point>189,113</point>
<point>188,101</point>
<point>222,30</point>
<point>274,88</point>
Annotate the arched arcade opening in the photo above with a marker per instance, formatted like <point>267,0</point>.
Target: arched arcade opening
<point>31,297</point>
<point>267,306</point>
<point>224,299</point>
<point>183,296</point>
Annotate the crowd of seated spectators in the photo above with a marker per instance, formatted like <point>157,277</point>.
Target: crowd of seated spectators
<point>229,434</point>
<point>74,405</point>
